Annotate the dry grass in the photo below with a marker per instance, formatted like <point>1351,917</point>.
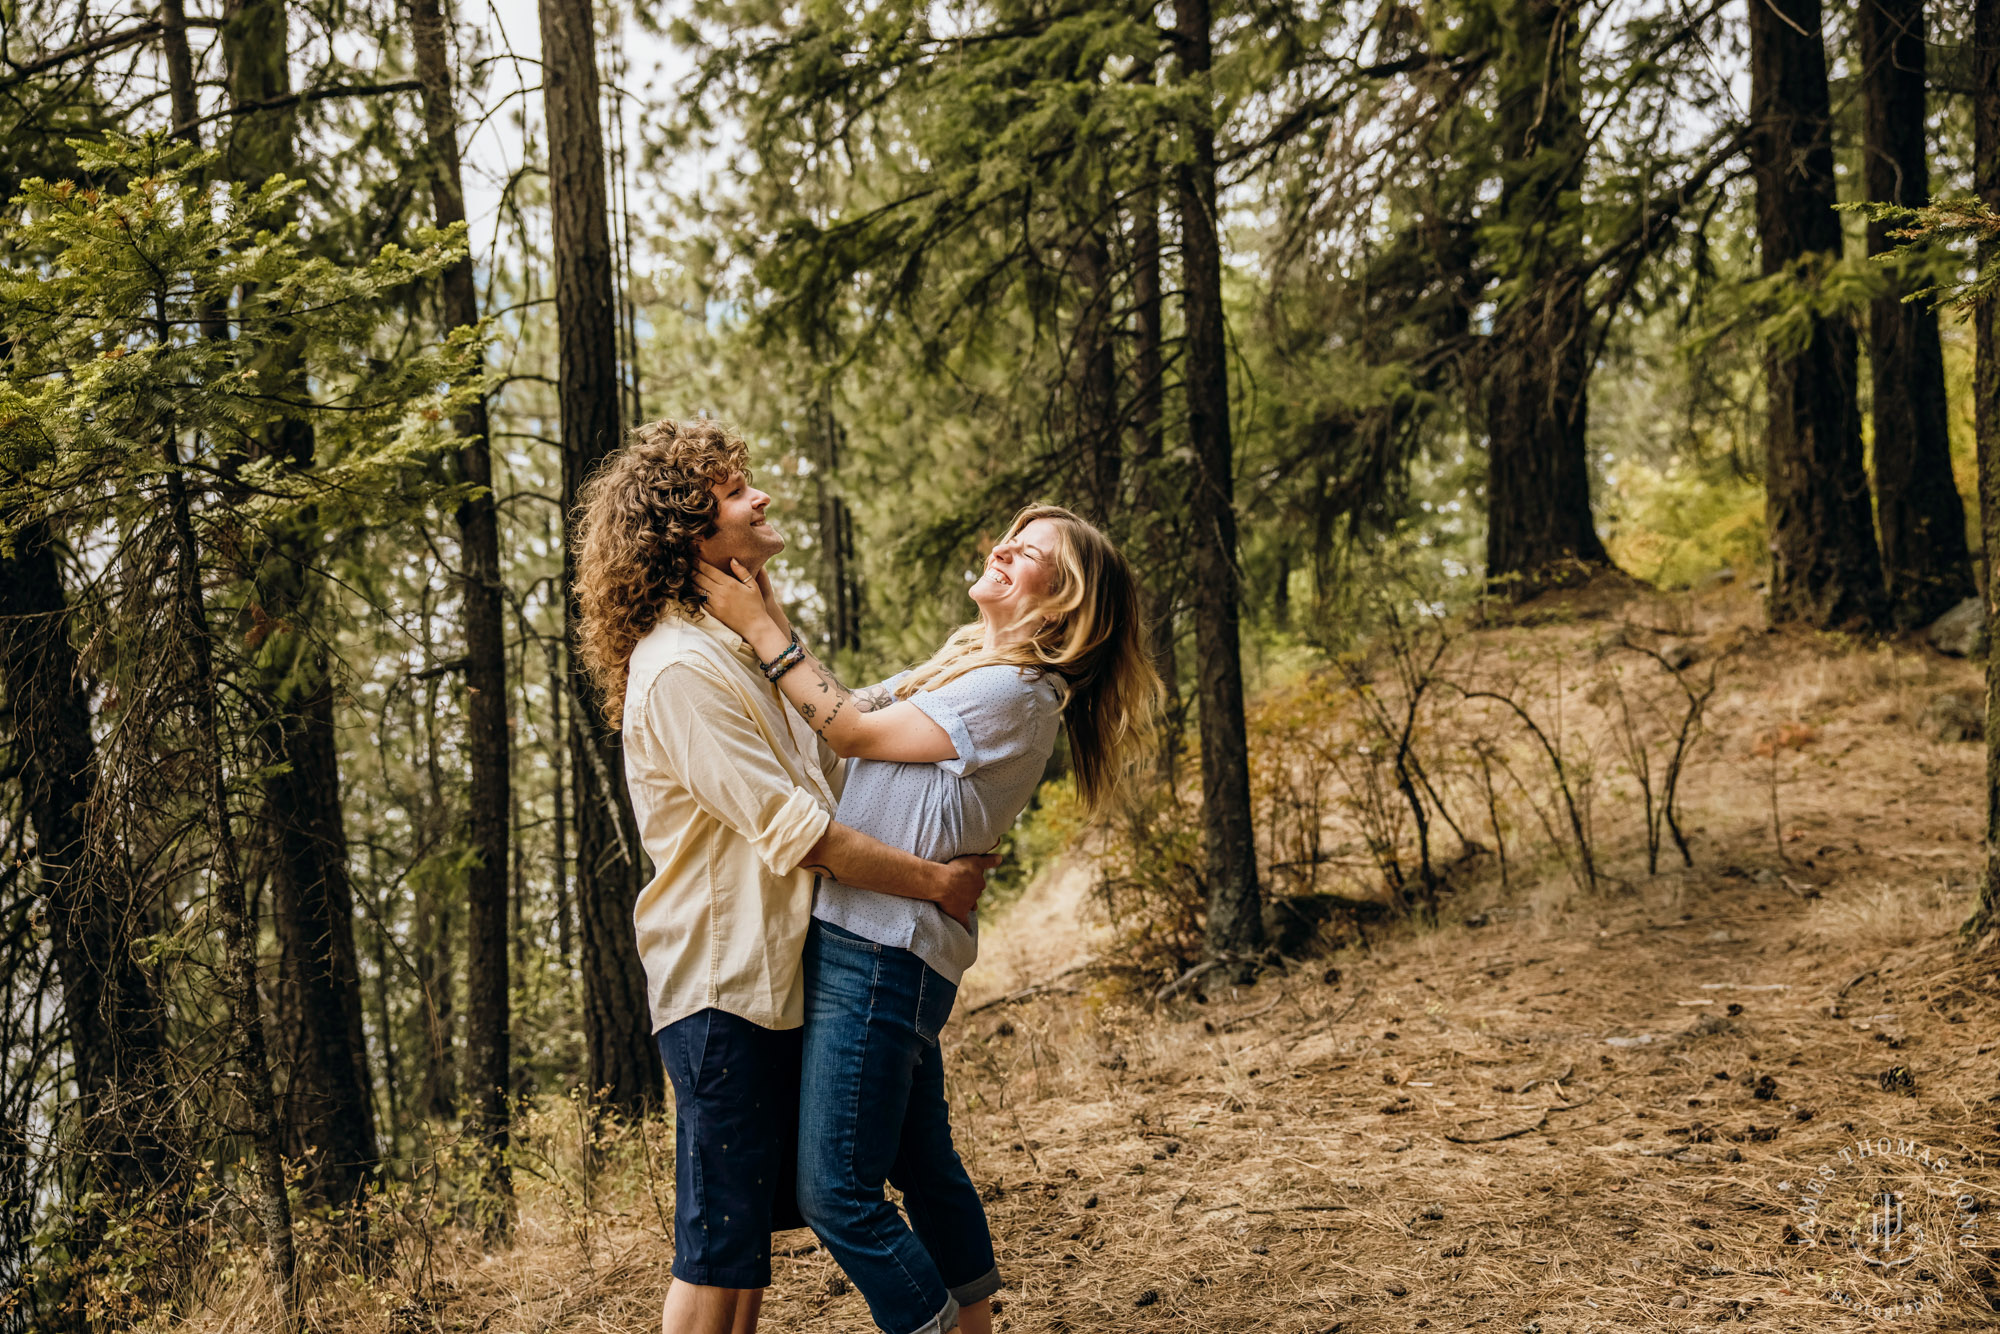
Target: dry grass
<point>1551,1123</point>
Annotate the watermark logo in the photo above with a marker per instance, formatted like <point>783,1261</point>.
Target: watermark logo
<point>1885,1226</point>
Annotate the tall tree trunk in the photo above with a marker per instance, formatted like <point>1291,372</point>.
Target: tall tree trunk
<point>1537,373</point>
<point>624,1068</point>
<point>1924,556</point>
<point>840,584</point>
<point>1826,571</point>
<point>487,1051</point>
<point>1156,594</point>
<point>1235,909</point>
<point>179,60</point>
<point>1094,372</point>
<point>327,1102</point>
<point>110,1009</point>
<point>271,1204</point>
<point>1986,429</point>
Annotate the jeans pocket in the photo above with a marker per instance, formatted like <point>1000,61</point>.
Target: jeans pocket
<point>935,997</point>
<point>694,1034</point>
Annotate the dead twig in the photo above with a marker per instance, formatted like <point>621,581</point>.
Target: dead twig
<point>1495,1139</point>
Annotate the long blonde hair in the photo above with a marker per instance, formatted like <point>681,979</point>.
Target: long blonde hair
<point>1092,638</point>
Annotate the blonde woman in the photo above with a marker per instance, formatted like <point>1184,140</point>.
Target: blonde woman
<point>945,758</point>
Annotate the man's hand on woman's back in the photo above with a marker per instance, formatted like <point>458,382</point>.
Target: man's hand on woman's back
<point>853,858</point>
<point>965,881</point>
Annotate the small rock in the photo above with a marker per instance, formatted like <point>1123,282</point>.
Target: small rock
<point>1146,1298</point>
<point>1954,715</point>
<point>1090,1203</point>
<point>1680,654</point>
<point>1395,1290</point>
<point>1477,919</point>
<point>1716,578</point>
<point>1432,1213</point>
<point>1678,1301</point>
<point>1260,1250</point>
<point>1960,632</point>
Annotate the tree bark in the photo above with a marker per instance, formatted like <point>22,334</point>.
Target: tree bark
<point>327,1103</point>
<point>624,1068</point>
<point>1235,910</point>
<point>840,584</point>
<point>1826,570</point>
<point>1986,430</point>
<point>271,1204</point>
<point>1925,561</point>
<point>110,1008</point>
<point>179,60</point>
<point>1094,372</point>
<point>1156,594</point>
<point>1537,373</point>
<point>488,1056</point>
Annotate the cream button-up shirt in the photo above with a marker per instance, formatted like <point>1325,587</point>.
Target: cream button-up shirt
<point>731,790</point>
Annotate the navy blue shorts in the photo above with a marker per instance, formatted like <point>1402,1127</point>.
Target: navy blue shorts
<point>736,1144</point>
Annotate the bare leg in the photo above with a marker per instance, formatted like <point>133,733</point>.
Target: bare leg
<point>692,1308</point>
<point>976,1318</point>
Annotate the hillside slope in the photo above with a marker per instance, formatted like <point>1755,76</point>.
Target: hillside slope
<point>1585,1113</point>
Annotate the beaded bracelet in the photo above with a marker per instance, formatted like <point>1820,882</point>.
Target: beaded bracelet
<point>791,656</point>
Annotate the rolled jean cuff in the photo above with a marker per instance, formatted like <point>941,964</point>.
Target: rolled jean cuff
<point>944,1322</point>
<point>988,1283</point>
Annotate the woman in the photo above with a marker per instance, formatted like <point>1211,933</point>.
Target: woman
<point>945,758</point>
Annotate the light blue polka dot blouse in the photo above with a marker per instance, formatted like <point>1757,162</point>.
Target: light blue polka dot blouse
<point>1002,720</point>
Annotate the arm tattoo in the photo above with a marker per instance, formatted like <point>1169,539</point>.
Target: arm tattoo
<point>830,688</point>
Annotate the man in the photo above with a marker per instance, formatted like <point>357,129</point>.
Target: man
<point>735,799</point>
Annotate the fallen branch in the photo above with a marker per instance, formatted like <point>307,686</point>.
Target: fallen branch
<point>1228,1024</point>
<point>1495,1139</point>
<point>1043,988</point>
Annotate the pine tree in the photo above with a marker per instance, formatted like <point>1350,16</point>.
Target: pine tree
<point>1826,570</point>
<point>1924,554</point>
<point>624,1068</point>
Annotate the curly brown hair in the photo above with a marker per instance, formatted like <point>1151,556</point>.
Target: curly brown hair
<point>639,517</point>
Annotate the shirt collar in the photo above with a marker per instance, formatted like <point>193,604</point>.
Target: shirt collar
<point>725,637</point>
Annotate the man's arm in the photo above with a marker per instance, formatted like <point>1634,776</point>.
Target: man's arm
<point>853,858</point>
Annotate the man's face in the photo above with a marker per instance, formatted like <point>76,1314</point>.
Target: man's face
<point>741,534</point>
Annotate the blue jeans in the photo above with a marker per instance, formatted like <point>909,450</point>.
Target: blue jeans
<point>872,1108</point>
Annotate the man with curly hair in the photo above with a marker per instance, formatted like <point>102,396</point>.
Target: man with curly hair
<point>734,796</point>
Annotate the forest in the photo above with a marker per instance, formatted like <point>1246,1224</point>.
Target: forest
<point>1558,442</point>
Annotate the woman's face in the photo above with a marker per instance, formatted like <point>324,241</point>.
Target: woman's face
<point>1020,572</point>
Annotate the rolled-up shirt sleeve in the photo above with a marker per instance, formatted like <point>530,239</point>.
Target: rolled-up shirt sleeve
<point>725,762</point>
<point>985,712</point>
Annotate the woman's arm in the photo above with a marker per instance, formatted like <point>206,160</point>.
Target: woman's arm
<point>871,724</point>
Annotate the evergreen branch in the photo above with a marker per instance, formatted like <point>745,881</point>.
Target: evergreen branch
<point>96,46</point>
<point>327,93</point>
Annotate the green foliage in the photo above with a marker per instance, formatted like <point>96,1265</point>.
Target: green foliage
<point>118,375</point>
<point>1931,232</point>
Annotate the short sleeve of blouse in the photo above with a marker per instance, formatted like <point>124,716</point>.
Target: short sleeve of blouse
<point>990,714</point>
